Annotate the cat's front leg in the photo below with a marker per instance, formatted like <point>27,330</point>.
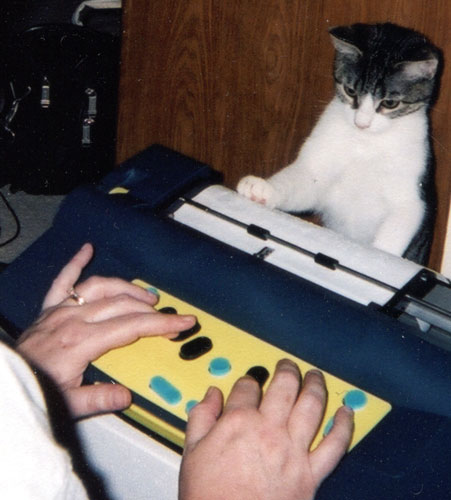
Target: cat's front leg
<point>259,190</point>
<point>398,230</point>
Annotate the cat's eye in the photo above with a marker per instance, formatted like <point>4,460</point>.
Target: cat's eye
<point>350,91</point>
<point>390,103</point>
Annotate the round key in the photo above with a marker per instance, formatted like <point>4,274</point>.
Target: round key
<point>152,289</point>
<point>219,367</point>
<point>190,405</point>
<point>355,399</point>
<point>328,426</point>
<point>259,373</point>
<point>187,333</point>
<point>168,310</point>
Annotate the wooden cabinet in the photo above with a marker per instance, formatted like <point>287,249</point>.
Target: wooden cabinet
<point>239,84</point>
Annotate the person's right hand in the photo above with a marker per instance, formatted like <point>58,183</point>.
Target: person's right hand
<point>257,448</point>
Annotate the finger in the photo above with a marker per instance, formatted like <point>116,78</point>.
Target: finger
<point>124,330</point>
<point>282,392</point>
<point>202,418</point>
<point>68,276</point>
<point>329,452</point>
<point>245,393</point>
<point>308,411</point>
<point>97,287</point>
<point>111,307</point>
<point>99,398</point>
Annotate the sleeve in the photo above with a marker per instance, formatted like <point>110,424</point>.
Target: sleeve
<point>32,463</point>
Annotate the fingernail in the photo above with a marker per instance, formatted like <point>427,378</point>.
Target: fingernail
<point>315,371</point>
<point>122,398</point>
<point>348,409</point>
<point>187,319</point>
<point>286,363</point>
<point>209,392</point>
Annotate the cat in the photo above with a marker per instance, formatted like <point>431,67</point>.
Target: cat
<point>367,166</point>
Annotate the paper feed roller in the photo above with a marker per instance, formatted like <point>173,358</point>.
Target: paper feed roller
<point>366,275</point>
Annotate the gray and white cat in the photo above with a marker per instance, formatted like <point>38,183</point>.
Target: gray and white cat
<point>367,168</point>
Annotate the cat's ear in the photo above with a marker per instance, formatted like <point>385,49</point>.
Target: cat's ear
<point>340,36</point>
<point>419,70</point>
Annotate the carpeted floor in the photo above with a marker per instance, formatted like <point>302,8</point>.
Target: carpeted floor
<point>35,214</point>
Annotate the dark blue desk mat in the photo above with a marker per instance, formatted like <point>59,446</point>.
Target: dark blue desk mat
<point>406,456</point>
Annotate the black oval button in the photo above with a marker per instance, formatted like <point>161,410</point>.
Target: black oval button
<point>187,333</point>
<point>195,348</point>
<point>259,373</point>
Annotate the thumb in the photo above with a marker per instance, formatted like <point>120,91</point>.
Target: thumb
<point>203,417</point>
<point>99,398</point>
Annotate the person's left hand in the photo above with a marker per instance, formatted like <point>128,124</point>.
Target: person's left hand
<point>68,336</point>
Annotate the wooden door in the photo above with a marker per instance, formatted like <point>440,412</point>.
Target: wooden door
<point>239,84</point>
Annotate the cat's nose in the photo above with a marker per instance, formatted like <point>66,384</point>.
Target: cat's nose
<point>362,124</point>
<point>365,114</point>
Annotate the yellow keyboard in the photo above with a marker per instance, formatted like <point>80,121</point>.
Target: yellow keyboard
<point>167,377</point>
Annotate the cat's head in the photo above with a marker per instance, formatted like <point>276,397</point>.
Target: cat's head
<point>383,72</point>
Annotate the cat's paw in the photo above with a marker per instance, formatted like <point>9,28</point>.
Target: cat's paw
<point>257,189</point>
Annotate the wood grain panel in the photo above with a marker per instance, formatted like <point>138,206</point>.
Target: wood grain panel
<point>240,85</point>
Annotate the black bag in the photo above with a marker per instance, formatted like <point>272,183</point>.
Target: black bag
<point>58,119</point>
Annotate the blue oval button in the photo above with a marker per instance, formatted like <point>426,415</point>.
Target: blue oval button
<point>219,367</point>
<point>165,390</point>
<point>355,399</point>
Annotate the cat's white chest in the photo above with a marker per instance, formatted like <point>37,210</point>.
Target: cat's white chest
<point>357,201</point>
<point>362,178</point>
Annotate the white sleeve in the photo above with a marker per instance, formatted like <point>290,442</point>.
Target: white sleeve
<point>32,464</point>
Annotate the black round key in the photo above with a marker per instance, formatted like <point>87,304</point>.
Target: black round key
<point>259,373</point>
<point>187,333</point>
<point>168,310</point>
<point>195,348</point>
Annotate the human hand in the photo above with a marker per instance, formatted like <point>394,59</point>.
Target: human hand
<point>68,336</point>
<point>259,447</point>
